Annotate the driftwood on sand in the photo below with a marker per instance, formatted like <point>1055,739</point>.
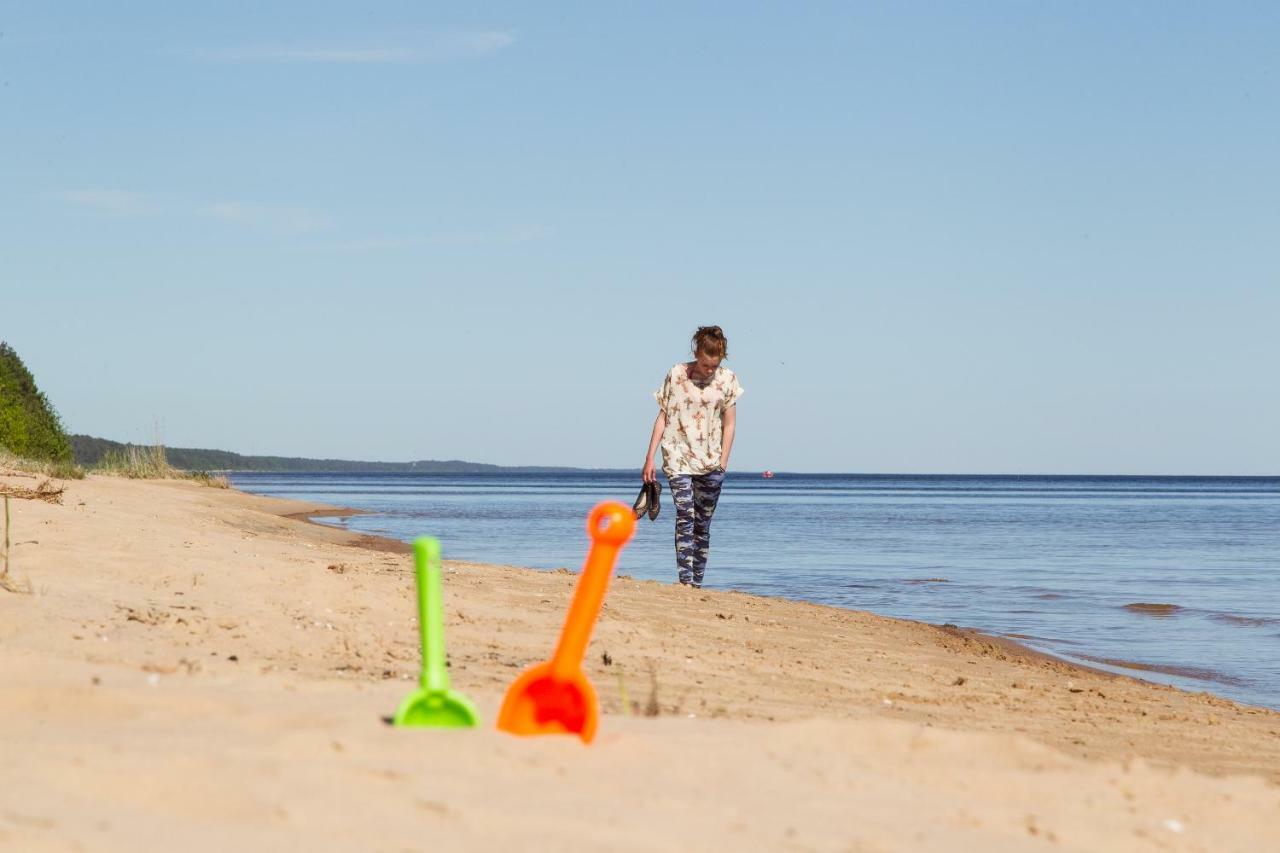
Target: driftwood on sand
<point>46,491</point>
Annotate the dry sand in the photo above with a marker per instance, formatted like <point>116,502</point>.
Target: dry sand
<point>194,670</point>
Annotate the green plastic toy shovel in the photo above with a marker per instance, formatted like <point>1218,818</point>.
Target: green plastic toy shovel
<point>433,704</point>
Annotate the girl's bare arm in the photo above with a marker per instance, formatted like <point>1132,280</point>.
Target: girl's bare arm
<point>726,443</point>
<point>659,427</point>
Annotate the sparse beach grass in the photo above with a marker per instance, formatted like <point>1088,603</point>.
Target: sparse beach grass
<point>137,462</point>
<point>55,470</point>
<point>207,478</point>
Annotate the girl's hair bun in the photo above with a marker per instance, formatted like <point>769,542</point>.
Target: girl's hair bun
<point>711,341</point>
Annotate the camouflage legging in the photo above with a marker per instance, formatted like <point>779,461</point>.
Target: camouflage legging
<point>695,496</point>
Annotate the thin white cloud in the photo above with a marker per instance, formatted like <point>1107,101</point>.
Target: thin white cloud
<point>269,53</point>
<point>434,47</point>
<point>268,217</point>
<point>370,244</point>
<point>115,202</point>
<point>480,43</point>
<point>443,239</point>
<point>278,218</point>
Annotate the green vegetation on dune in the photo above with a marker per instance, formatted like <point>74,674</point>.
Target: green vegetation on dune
<point>29,425</point>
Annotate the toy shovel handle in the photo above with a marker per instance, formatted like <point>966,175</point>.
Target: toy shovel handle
<point>426,565</point>
<point>610,526</point>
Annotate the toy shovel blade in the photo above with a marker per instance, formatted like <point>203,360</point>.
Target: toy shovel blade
<point>556,697</point>
<point>433,704</point>
<point>436,709</point>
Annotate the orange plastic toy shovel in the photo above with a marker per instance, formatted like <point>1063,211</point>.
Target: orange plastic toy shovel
<point>555,697</point>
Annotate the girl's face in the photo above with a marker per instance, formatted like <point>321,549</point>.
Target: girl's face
<point>704,365</point>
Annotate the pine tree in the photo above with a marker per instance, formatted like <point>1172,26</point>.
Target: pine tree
<point>29,425</point>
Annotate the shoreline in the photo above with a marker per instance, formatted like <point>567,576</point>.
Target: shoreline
<point>368,541</point>
<point>997,646</point>
<point>236,660</point>
<point>1112,667</point>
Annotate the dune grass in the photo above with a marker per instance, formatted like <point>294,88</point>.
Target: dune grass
<point>135,462</point>
<point>213,481</point>
<point>138,463</point>
<point>151,463</point>
<point>58,470</point>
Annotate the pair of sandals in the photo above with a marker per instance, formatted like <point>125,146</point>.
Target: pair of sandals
<point>648,501</point>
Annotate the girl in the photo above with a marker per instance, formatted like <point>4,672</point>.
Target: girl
<point>695,428</point>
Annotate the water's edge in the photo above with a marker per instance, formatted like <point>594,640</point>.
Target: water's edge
<point>1016,645</point>
<point>1167,580</point>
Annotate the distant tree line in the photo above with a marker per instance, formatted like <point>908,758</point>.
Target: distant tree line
<point>89,451</point>
<point>31,429</point>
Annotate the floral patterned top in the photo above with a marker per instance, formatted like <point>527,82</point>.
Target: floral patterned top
<point>695,419</point>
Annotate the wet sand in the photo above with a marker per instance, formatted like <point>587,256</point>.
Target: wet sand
<point>197,668</point>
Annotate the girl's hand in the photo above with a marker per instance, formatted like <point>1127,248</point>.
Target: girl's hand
<point>649,474</point>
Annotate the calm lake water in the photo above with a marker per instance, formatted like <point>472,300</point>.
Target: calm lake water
<point>1057,562</point>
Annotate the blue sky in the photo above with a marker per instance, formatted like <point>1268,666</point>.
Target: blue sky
<point>942,237</point>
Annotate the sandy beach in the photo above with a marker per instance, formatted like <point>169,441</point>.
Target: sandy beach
<point>202,669</point>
